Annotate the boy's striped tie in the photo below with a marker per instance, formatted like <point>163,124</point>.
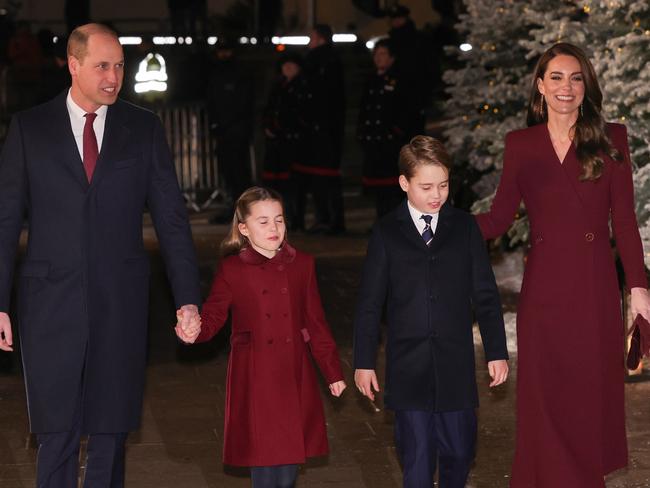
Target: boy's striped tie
<point>427,233</point>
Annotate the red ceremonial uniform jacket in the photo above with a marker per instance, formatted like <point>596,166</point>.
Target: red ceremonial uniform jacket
<point>274,413</point>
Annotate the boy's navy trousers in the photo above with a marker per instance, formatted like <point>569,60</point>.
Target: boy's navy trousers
<point>426,439</point>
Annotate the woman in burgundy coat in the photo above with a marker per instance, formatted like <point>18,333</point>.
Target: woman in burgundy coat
<point>573,172</point>
<point>274,416</point>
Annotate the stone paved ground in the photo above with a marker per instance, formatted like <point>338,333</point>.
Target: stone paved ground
<point>179,444</point>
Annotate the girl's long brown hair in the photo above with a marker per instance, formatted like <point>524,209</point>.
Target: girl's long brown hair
<point>235,241</point>
<point>590,136</point>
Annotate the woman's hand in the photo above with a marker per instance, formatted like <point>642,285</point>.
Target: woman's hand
<point>640,303</point>
<point>337,388</point>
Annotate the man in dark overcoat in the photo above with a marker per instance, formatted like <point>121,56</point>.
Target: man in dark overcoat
<point>414,63</point>
<point>84,167</point>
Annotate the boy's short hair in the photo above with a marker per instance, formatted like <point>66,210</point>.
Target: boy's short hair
<point>420,151</point>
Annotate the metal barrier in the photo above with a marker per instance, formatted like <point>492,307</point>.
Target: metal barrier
<point>187,128</point>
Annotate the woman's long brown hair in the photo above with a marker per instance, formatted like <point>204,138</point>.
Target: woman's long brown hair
<point>590,136</point>
<point>235,241</point>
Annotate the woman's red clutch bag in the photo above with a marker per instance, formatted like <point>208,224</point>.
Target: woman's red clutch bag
<point>640,343</point>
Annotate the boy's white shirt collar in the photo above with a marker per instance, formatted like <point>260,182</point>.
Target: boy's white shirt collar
<point>419,222</point>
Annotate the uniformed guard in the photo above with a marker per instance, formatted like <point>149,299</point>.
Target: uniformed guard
<point>324,72</point>
<point>414,63</point>
<point>386,122</point>
<point>287,124</point>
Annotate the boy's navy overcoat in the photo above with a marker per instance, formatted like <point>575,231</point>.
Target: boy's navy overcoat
<point>430,294</point>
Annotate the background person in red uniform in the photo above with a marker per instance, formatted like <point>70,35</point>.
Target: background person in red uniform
<point>386,114</point>
<point>324,72</point>
<point>573,172</point>
<point>274,415</point>
<point>287,118</point>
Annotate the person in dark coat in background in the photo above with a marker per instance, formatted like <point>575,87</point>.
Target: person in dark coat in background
<point>230,97</point>
<point>287,124</point>
<point>56,76</point>
<point>84,166</point>
<point>414,64</point>
<point>386,115</point>
<point>324,73</point>
<point>404,36</point>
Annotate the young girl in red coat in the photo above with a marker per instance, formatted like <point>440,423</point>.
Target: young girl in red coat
<point>274,415</point>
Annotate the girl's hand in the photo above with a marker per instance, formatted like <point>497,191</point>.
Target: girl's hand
<point>6,340</point>
<point>640,303</point>
<point>337,388</point>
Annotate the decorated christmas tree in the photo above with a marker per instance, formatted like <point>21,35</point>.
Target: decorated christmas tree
<point>620,34</point>
<point>488,93</point>
<point>620,43</point>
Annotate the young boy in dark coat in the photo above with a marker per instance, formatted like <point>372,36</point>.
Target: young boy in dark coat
<point>428,264</point>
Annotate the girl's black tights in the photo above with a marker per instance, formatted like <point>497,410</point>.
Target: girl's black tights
<point>281,476</point>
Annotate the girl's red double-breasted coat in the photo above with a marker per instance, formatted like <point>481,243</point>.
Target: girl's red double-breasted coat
<point>274,413</point>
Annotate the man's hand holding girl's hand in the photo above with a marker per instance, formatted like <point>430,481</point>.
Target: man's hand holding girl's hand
<point>188,323</point>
